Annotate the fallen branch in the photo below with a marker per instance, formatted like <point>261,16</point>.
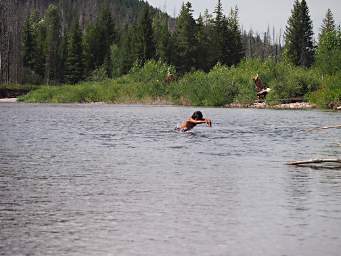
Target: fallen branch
<point>316,161</point>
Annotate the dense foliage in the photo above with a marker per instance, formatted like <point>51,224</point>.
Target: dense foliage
<point>205,55</point>
<point>71,54</point>
<point>221,86</point>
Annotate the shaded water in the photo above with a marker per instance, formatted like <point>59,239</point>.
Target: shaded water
<point>118,180</point>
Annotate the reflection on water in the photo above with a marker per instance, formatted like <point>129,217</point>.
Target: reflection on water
<point>118,180</point>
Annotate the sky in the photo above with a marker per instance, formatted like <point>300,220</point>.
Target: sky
<point>258,14</point>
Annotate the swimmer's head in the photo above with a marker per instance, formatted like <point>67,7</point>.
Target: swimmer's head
<point>197,115</point>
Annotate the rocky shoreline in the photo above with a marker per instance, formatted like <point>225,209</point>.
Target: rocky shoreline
<point>263,105</point>
<point>256,105</point>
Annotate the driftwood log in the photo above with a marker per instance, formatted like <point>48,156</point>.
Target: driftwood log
<point>324,127</point>
<point>316,161</point>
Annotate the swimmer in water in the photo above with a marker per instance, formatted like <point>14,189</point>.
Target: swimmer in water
<point>190,123</point>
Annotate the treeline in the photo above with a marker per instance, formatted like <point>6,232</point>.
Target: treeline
<point>104,49</point>
<point>13,14</point>
<point>194,50</point>
<point>149,51</point>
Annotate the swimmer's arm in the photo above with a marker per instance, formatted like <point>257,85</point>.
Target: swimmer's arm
<point>203,121</point>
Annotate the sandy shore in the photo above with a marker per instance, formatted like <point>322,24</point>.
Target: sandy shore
<point>8,100</point>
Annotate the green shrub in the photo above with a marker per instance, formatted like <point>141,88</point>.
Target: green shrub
<point>207,89</point>
<point>329,93</point>
<point>221,86</point>
<point>99,74</point>
<point>151,71</point>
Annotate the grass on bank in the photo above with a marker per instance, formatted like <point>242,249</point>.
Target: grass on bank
<point>221,86</point>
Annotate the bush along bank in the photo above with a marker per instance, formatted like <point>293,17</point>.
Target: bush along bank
<point>219,87</point>
<point>14,90</point>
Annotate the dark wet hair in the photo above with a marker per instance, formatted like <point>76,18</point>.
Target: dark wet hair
<point>197,115</point>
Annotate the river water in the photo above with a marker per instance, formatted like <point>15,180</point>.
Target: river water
<point>118,180</point>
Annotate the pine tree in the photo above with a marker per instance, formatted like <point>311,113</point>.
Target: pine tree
<point>307,50</point>
<point>299,47</point>
<point>107,36</point>
<point>144,40</point>
<point>53,41</point>
<point>203,46</point>
<point>74,67</point>
<point>328,23</point>
<point>90,42</point>
<point>219,33</point>
<point>185,40</point>
<point>162,38</point>
<point>293,35</point>
<point>34,38</point>
<point>40,31</point>
<point>28,44</point>
<point>126,46</point>
<point>236,45</point>
<point>328,56</point>
<point>98,39</point>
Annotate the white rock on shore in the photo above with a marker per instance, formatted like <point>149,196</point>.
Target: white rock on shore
<point>8,100</point>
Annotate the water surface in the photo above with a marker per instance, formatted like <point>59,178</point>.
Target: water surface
<point>118,180</point>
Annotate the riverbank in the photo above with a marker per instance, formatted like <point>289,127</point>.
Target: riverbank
<point>263,105</point>
<point>160,102</point>
<point>221,87</point>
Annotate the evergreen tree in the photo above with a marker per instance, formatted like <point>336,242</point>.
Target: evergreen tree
<point>34,37</point>
<point>236,45</point>
<point>219,35</point>
<point>74,67</point>
<point>40,32</point>
<point>185,40</point>
<point>53,42</point>
<point>98,39</point>
<point>203,46</point>
<point>308,49</point>
<point>293,35</point>
<point>28,44</point>
<point>328,57</point>
<point>210,35</point>
<point>63,57</point>
<point>106,33</point>
<point>144,37</point>
<point>116,61</point>
<point>207,18</point>
<point>328,23</point>
<point>162,38</point>
<point>90,42</point>
<point>299,48</point>
<point>126,46</point>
